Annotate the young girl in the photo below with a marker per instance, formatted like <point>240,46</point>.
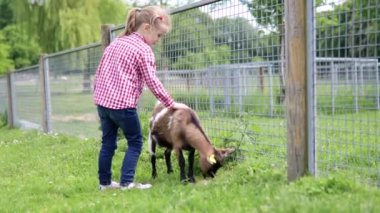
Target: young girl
<point>127,65</point>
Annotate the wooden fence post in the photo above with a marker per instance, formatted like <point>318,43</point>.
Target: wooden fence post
<point>106,35</point>
<point>296,88</point>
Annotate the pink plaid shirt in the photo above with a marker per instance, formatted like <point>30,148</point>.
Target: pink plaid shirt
<point>127,64</point>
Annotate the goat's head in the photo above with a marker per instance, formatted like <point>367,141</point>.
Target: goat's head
<point>213,162</point>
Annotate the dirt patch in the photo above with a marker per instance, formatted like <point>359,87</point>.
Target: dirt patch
<point>88,117</point>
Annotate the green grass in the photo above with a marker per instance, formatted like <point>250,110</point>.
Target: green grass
<point>58,173</point>
<point>345,140</point>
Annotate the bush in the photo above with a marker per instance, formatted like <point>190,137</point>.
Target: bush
<point>3,119</point>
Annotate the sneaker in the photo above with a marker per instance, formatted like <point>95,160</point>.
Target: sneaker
<point>112,185</point>
<point>136,186</point>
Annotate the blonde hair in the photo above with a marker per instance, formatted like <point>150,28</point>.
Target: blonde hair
<point>153,15</point>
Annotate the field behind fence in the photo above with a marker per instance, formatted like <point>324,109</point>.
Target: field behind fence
<point>226,60</point>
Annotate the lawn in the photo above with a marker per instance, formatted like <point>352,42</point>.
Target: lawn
<point>58,173</point>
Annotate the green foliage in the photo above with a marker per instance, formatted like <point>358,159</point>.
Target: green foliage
<point>20,48</point>
<point>350,24</point>
<point>209,56</point>
<point>188,32</point>
<point>24,50</point>
<point>5,63</point>
<point>267,13</point>
<point>65,24</point>
<point>243,39</point>
<point>113,12</point>
<point>6,15</point>
<point>228,41</point>
<point>3,119</point>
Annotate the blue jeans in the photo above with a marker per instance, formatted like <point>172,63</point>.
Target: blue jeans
<point>128,121</point>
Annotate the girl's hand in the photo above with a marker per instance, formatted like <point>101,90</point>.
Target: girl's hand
<point>180,106</point>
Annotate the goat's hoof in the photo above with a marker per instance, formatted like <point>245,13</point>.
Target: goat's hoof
<point>184,181</point>
<point>191,180</point>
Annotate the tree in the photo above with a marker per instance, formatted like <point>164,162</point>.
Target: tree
<point>5,18</point>
<point>6,15</point>
<point>113,11</point>
<point>270,15</point>
<point>244,41</point>
<point>189,35</point>
<point>209,56</point>
<point>65,24</point>
<point>191,44</point>
<point>24,50</point>
<point>5,63</point>
<point>349,30</point>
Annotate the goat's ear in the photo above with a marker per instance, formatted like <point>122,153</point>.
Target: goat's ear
<point>211,159</point>
<point>225,152</point>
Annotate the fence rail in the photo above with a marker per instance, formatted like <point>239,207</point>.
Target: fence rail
<point>226,59</point>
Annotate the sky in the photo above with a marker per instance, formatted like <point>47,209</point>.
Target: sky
<point>235,7</point>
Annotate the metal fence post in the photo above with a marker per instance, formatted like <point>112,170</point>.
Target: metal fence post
<point>227,88</point>
<point>45,94</point>
<point>271,100</point>
<point>356,87</point>
<point>296,90</point>
<point>240,89</point>
<point>197,85</point>
<point>311,90</point>
<point>11,101</point>
<point>346,74</point>
<point>210,90</point>
<point>332,86</point>
<point>361,79</point>
<point>377,86</point>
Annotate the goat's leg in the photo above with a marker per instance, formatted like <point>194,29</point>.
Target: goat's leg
<point>190,174</point>
<point>182,164</point>
<point>168,160</point>
<point>153,157</point>
<point>153,161</point>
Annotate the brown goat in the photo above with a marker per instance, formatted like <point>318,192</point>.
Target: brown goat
<point>180,129</point>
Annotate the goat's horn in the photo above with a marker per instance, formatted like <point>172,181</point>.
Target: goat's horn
<point>211,159</point>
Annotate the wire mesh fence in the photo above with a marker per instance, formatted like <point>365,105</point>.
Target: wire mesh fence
<point>226,59</point>
<point>348,125</point>
<point>27,98</point>
<point>347,85</point>
<point>221,61</point>
<point>71,76</point>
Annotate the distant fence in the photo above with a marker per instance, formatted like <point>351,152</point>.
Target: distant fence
<point>229,66</point>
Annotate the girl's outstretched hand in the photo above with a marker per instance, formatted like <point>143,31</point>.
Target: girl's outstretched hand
<point>180,106</point>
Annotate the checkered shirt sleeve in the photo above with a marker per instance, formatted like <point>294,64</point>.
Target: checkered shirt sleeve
<point>126,66</point>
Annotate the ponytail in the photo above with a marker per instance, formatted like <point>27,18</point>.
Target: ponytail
<point>131,22</point>
<point>152,15</point>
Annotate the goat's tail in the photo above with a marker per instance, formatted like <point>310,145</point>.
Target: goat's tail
<point>197,123</point>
